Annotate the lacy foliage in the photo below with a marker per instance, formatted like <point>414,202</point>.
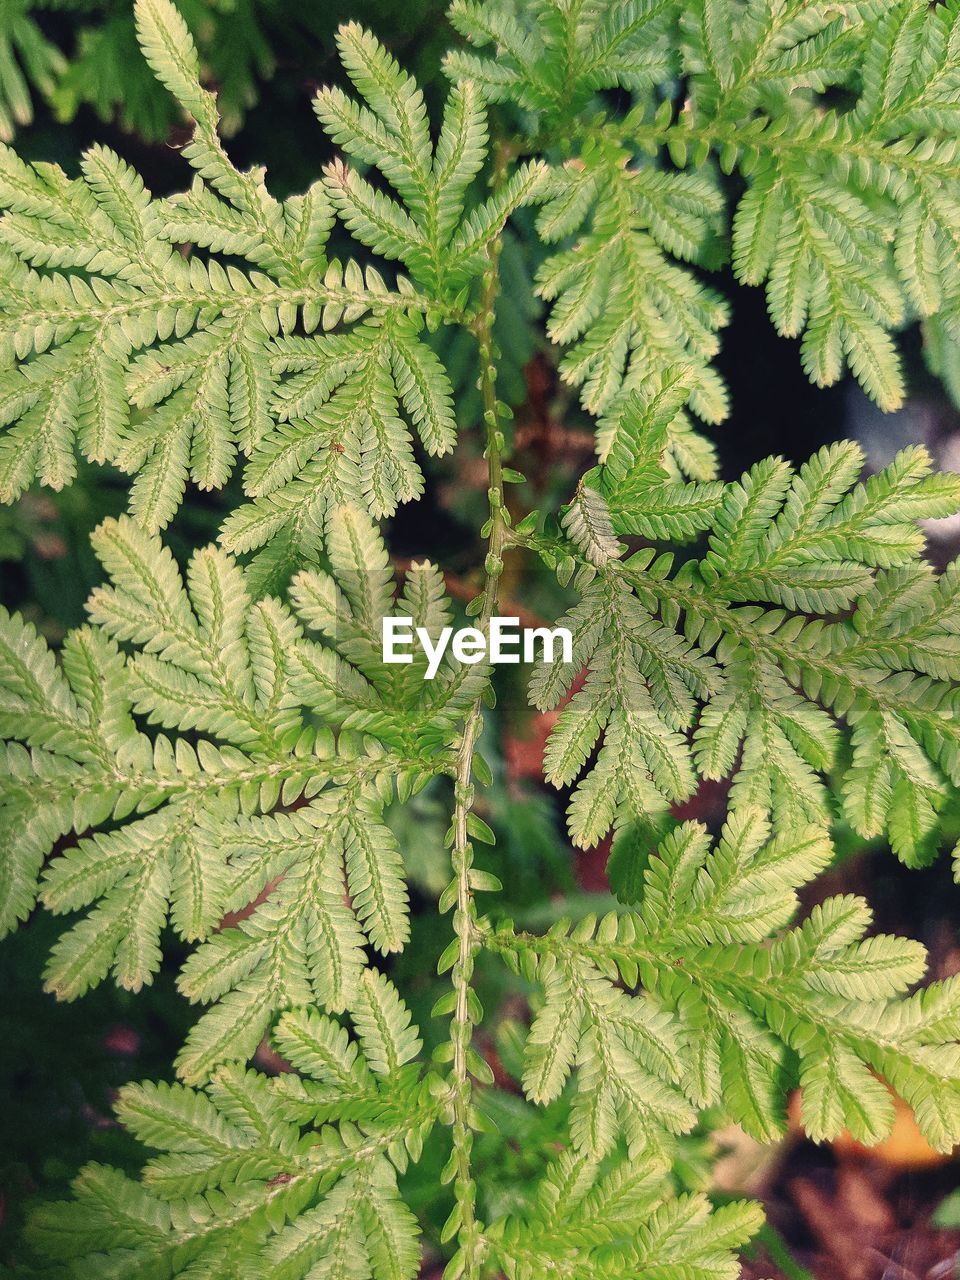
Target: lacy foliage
<point>208,764</point>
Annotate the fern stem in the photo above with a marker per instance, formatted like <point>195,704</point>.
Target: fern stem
<point>470,1238</point>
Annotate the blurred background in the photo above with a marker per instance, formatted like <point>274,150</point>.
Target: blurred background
<point>71,74</point>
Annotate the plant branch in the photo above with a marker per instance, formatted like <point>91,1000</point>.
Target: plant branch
<point>467,1262</point>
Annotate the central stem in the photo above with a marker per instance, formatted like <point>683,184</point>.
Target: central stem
<point>465,914</point>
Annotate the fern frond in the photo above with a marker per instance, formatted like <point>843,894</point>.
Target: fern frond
<point>29,60</point>
<point>553,66</point>
<point>218,359</point>
<point>822,1004</point>
<point>629,311</point>
<point>622,1220</point>
<point>848,217</point>
<point>774,683</point>
<point>240,1188</point>
<point>640,693</point>
<point>202,824</point>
